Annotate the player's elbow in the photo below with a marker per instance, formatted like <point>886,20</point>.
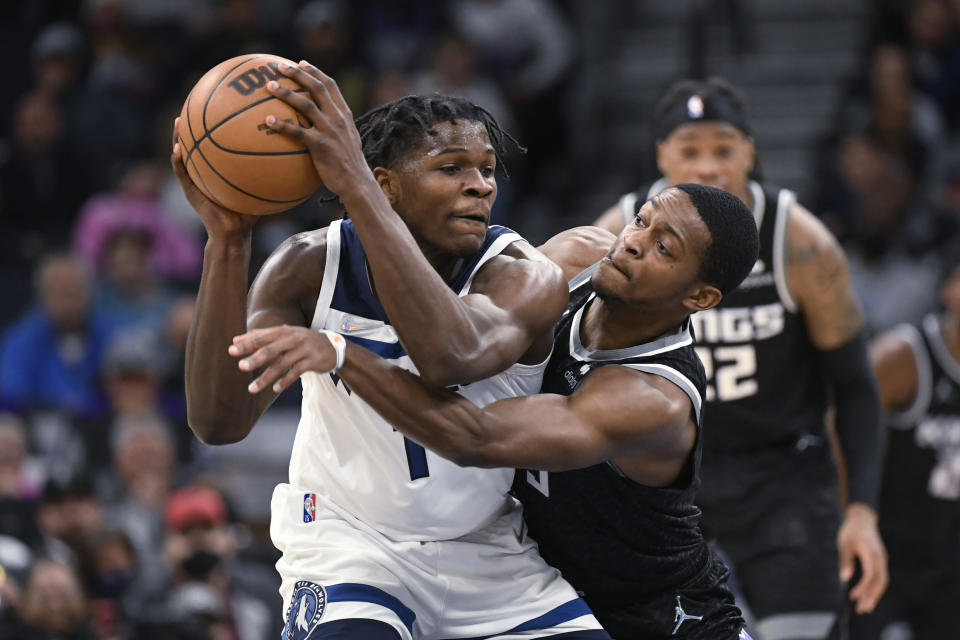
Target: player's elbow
<point>215,431</point>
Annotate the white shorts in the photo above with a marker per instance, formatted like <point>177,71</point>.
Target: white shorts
<point>490,583</point>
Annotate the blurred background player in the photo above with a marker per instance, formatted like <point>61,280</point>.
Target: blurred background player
<point>776,351</point>
<point>918,373</point>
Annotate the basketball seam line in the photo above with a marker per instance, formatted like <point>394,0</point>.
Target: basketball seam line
<point>196,144</point>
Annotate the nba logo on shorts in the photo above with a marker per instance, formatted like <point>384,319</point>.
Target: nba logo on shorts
<point>309,507</point>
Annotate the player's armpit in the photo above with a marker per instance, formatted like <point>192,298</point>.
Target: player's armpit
<point>819,279</point>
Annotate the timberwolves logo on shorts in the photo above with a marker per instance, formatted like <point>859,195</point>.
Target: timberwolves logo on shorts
<point>306,607</point>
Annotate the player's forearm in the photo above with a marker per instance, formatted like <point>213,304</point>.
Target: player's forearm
<point>441,420</point>
<point>439,332</point>
<point>219,408</point>
<point>858,417</point>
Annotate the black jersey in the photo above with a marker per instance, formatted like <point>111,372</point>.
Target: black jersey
<point>920,496</point>
<point>620,543</point>
<point>764,387</point>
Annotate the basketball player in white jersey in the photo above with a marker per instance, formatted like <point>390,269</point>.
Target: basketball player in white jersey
<point>381,539</point>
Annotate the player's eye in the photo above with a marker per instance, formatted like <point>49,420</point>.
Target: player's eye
<point>688,153</point>
<point>450,169</point>
<point>639,220</point>
<point>662,248</point>
<point>487,172</point>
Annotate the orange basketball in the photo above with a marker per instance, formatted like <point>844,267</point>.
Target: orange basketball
<point>227,148</point>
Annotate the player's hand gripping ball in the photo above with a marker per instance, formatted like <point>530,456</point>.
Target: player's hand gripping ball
<point>230,153</point>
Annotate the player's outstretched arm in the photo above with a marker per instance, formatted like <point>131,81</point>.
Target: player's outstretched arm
<point>218,406</point>
<point>615,412</point>
<point>819,279</point>
<point>514,298</point>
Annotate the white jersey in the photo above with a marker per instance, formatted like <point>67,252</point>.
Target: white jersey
<point>345,452</point>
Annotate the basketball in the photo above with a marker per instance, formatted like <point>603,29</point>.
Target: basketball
<point>229,151</point>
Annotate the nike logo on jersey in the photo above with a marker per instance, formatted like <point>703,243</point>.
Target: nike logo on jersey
<point>353,328</point>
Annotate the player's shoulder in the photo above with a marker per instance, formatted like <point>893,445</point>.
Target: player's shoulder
<point>576,249</point>
<point>805,228</point>
<point>520,268</point>
<point>895,346</point>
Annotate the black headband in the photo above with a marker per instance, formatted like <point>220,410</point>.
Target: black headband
<point>697,108</point>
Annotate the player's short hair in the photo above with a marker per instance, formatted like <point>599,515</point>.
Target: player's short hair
<point>391,131</point>
<point>719,101</point>
<point>734,242</point>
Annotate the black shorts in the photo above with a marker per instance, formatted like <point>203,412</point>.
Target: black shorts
<point>702,610</point>
<point>775,515</point>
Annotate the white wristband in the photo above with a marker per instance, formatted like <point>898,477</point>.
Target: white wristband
<point>339,346</point>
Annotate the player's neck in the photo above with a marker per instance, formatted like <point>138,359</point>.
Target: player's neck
<point>610,324</point>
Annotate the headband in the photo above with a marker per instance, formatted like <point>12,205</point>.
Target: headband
<point>698,108</point>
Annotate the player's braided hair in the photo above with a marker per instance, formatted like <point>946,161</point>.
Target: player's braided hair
<point>391,131</point>
<point>734,242</point>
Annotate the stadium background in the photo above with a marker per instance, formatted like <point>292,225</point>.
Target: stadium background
<point>854,105</point>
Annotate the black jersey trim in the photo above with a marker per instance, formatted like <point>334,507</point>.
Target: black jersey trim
<point>681,338</point>
<point>931,326</point>
<point>674,376</point>
<point>582,277</point>
<point>909,417</point>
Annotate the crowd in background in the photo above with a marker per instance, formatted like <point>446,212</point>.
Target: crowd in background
<point>113,523</point>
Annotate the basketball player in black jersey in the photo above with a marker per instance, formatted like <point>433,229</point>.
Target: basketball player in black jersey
<point>614,438</point>
<point>775,351</point>
<point>918,372</point>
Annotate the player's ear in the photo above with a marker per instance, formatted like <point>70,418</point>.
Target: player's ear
<point>702,297</point>
<point>660,152</point>
<point>389,184</point>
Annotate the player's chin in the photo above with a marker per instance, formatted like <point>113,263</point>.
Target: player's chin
<point>467,235</point>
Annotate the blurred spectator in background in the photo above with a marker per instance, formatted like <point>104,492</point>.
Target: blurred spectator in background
<point>136,492</point>
<point>527,46</point>
<point>174,251</point>
<point>51,357</point>
<point>109,572</point>
<point>935,52</point>
<point>57,55</point>
<point>18,491</point>
<point>68,514</point>
<point>324,36</point>
<point>42,183</point>
<point>880,186</point>
<point>207,589</point>
<point>53,605</point>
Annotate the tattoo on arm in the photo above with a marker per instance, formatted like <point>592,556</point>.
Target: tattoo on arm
<point>820,278</point>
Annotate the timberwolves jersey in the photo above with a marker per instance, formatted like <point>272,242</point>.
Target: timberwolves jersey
<point>616,541</point>
<point>922,468</point>
<point>346,452</point>
<point>763,386</point>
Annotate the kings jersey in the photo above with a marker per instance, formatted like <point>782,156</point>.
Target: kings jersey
<point>615,540</point>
